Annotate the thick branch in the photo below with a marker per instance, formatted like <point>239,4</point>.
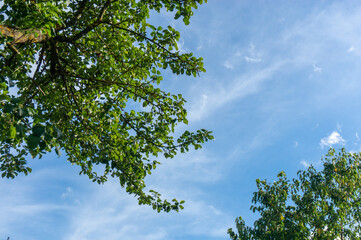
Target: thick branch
<point>24,35</point>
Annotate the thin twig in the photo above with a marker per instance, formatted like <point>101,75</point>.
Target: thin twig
<point>89,28</point>
<point>152,41</point>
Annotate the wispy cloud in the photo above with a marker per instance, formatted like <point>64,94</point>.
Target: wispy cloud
<point>254,55</point>
<point>305,164</point>
<point>242,86</point>
<point>299,46</point>
<point>228,65</point>
<point>252,60</point>
<point>333,139</point>
<point>107,212</point>
<point>315,37</point>
<point>194,167</point>
<point>316,163</point>
<point>119,217</point>
<point>68,192</point>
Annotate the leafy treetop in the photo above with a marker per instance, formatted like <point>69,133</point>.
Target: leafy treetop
<point>86,75</point>
<point>316,205</point>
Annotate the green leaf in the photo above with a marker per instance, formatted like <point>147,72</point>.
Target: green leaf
<point>33,141</point>
<point>8,108</point>
<point>38,130</point>
<point>4,97</point>
<point>12,132</point>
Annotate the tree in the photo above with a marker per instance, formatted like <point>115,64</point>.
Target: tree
<point>316,205</point>
<point>81,76</point>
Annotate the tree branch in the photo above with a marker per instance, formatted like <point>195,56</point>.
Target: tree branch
<point>152,41</point>
<point>24,35</point>
<point>77,15</point>
<point>89,28</point>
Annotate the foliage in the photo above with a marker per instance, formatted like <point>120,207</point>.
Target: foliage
<point>80,77</point>
<point>316,205</point>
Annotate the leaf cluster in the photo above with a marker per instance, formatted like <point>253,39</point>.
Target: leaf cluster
<point>316,205</point>
<point>86,75</point>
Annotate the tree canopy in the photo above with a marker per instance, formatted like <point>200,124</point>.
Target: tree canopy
<point>317,205</point>
<point>81,76</point>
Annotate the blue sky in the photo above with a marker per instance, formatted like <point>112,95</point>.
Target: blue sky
<point>282,86</point>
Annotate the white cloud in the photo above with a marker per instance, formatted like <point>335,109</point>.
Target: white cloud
<point>333,139</point>
<point>252,60</point>
<point>254,56</point>
<point>228,65</point>
<point>316,68</point>
<point>68,192</point>
<point>351,49</point>
<point>305,164</point>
